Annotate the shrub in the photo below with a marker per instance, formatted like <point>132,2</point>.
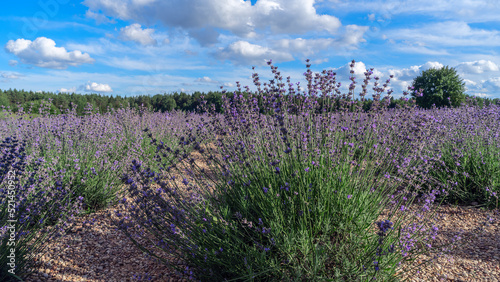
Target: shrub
<point>441,87</point>
<point>33,210</point>
<point>467,157</point>
<point>287,196</point>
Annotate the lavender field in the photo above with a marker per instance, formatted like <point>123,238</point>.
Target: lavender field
<point>293,194</point>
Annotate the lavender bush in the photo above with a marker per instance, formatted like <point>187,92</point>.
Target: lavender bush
<point>467,155</point>
<point>32,210</point>
<point>295,194</point>
<point>72,165</point>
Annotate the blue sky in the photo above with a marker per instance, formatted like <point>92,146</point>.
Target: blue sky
<point>140,47</point>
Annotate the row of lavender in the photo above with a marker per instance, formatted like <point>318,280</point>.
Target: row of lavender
<point>56,167</point>
<point>290,195</point>
<point>297,196</point>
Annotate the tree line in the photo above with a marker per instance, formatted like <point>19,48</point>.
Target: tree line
<point>60,102</point>
<point>13,99</point>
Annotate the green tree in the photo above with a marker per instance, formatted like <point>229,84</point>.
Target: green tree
<point>442,87</point>
<point>170,104</point>
<point>4,101</point>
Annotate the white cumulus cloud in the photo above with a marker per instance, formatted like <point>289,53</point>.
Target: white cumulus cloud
<point>470,82</point>
<point>239,17</point>
<point>97,87</point>
<point>134,32</point>
<point>492,84</point>
<point>42,52</point>
<point>344,72</point>
<point>67,90</point>
<point>477,66</point>
<point>412,72</point>
<point>305,46</point>
<point>431,65</point>
<point>243,52</point>
<point>352,36</point>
